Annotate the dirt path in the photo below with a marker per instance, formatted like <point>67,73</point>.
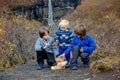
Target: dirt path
<point>29,71</point>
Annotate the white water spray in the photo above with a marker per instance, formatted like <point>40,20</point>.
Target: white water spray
<point>50,14</point>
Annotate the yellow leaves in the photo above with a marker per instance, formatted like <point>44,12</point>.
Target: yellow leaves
<point>1,31</point>
<point>2,22</point>
<point>10,47</point>
<point>19,60</point>
<point>4,63</point>
<point>104,64</point>
<point>7,65</point>
<point>99,66</point>
<point>107,16</point>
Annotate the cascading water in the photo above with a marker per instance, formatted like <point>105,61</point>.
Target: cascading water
<point>50,15</point>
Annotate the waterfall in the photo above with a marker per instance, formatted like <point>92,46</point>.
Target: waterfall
<point>50,15</point>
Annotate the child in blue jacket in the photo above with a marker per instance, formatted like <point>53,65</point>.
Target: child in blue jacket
<point>45,48</point>
<point>82,45</point>
<point>63,37</point>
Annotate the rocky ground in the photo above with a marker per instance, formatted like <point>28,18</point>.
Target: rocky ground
<point>29,71</point>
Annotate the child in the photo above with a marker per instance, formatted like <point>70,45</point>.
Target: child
<point>63,37</point>
<point>82,45</point>
<point>44,48</point>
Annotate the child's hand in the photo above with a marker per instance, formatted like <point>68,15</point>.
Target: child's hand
<point>47,45</point>
<point>57,41</point>
<point>62,55</point>
<point>81,49</point>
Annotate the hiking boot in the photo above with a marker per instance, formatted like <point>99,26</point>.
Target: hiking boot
<point>40,66</point>
<point>74,67</point>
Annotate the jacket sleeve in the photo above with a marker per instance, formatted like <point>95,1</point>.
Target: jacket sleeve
<point>92,46</point>
<point>70,48</point>
<point>38,46</point>
<point>56,36</point>
<point>54,47</point>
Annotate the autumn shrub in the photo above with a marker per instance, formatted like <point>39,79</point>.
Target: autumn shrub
<point>17,37</point>
<point>105,64</point>
<point>99,66</point>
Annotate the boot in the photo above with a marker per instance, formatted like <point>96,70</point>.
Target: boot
<point>40,66</point>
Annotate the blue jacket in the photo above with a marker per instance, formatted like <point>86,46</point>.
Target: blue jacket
<point>64,37</point>
<point>87,44</point>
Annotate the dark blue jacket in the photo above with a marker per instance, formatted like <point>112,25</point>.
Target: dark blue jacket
<point>64,37</point>
<point>87,44</point>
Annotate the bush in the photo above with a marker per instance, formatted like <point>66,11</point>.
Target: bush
<point>107,63</point>
<point>17,37</point>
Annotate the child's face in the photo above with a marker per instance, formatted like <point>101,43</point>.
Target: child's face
<point>78,35</point>
<point>46,35</point>
<point>63,28</point>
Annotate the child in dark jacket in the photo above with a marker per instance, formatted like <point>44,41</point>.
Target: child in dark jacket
<point>44,48</point>
<point>63,37</point>
<point>82,45</point>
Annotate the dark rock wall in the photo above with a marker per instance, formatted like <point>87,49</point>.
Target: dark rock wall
<point>38,10</point>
